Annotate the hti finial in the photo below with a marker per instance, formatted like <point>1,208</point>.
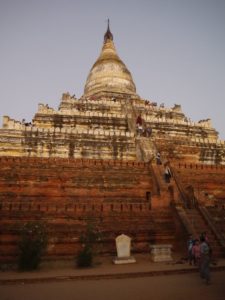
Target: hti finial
<point>108,35</point>
<point>108,25</point>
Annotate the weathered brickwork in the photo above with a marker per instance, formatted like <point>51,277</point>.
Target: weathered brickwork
<point>117,196</point>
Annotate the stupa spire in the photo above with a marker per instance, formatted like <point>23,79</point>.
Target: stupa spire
<point>108,35</point>
<point>109,73</point>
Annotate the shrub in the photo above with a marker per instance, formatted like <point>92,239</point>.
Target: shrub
<point>32,243</point>
<point>85,257</point>
<point>88,240</point>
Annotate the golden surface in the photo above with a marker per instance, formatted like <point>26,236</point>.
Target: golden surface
<point>109,73</point>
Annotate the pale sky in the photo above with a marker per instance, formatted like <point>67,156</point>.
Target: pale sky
<point>174,49</point>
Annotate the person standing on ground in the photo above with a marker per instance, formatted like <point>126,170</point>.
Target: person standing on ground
<point>196,252</point>
<point>190,246</point>
<point>205,260</point>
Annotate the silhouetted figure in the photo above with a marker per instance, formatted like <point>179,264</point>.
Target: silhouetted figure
<point>158,159</point>
<point>205,260</point>
<point>167,173</point>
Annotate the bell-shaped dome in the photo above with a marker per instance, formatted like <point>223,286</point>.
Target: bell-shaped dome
<point>109,73</point>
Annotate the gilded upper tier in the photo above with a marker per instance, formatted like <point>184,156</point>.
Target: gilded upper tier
<point>109,73</point>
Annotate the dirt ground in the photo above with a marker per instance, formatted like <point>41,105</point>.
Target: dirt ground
<point>176,287</point>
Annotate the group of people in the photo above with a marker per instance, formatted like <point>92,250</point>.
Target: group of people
<point>26,123</point>
<point>199,254</point>
<point>141,131</point>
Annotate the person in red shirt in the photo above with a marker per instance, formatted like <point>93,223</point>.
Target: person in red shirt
<point>139,123</point>
<point>139,120</point>
<point>196,253</point>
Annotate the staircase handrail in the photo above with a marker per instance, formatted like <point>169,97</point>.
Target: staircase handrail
<point>155,178</point>
<point>208,220</point>
<point>180,189</point>
<point>185,221</point>
<point>131,121</point>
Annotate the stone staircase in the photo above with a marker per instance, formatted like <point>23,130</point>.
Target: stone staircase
<point>195,220</point>
<point>131,114</point>
<point>145,149</point>
<point>199,225</point>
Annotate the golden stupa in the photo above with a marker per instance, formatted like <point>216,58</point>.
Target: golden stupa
<point>109,73</point>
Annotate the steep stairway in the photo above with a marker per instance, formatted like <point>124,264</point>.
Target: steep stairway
<point>145,149</point>
<point>199,225</point>
<point>131,114</point>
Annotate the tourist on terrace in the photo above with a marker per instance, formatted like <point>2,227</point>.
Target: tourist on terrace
<point>139,125</point>
<point>139,120</point>
<point>139,129</point>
